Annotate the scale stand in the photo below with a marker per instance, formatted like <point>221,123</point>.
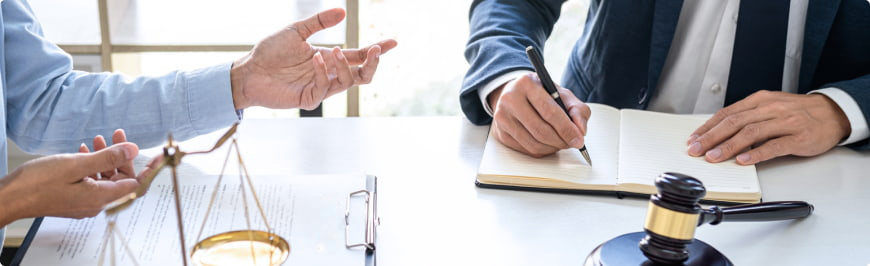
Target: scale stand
<point>228,248</point>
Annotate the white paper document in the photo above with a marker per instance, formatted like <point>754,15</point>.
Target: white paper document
<point>307,211</point>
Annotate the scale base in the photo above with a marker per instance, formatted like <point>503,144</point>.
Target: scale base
<point>624,250</point>
<point>244,247</point>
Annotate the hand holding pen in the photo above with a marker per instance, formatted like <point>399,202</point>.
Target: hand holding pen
<point>550,87</point>
<point>527,119</point>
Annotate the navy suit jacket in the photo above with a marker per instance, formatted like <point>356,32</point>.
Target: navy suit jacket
<point>619,58</point>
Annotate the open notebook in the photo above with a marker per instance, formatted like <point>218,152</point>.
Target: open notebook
<point>629,149</point>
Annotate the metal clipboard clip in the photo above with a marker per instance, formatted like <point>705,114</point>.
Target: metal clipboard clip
<point>372,219</point>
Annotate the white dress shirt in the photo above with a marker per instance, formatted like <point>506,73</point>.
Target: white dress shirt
<point>695,75</point>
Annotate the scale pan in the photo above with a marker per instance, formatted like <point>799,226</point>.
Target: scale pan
<point>236,247</point>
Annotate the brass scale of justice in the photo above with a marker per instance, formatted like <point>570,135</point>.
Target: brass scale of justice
<point>250,245</point>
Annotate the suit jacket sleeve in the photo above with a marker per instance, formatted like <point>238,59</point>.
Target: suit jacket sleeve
<point>500,30</point>
<point>859,89</point>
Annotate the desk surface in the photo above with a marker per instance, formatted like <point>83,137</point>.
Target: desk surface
<point>431,212</point>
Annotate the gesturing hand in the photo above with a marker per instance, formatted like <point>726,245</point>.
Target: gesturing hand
<point>783,123</point>
<point>526,119</point>
<point>59,185</point>
<point>285,71</point>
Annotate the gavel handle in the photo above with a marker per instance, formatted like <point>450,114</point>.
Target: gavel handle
<point>767,211</point>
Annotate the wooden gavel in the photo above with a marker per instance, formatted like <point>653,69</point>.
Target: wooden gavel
<point>673,215</point>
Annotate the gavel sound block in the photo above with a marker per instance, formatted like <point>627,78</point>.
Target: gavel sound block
<point>669,230</point>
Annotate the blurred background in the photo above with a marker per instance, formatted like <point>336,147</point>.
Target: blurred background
<point>421,77</point>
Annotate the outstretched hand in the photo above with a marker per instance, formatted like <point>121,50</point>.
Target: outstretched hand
<point>285,71</point>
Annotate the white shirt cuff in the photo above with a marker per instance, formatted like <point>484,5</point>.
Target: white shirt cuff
<point>850,107</point>
<point>494,84</point>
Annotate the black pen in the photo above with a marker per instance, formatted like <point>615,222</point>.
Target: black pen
<point>548,84</point>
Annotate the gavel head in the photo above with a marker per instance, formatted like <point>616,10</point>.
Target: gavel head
<point>672,217</point>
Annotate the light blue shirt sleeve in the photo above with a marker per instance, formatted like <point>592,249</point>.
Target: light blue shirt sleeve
<point>50,108</point>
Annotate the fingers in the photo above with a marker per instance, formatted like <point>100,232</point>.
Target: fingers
<point>99,193</point>
<point>516,116</point>
<point>100,144</point>
<point>119,136</point>
<point>727,128</point>
<point>343,71</point>
<point>88,197</point>
<point>359,56</point>
<point>84,149</point>
<point>350,67</point>
<point>803,125</point>
<point>769,150</point>
<point>318,22</point>
<point>555,127</point>
<point>150,167</point>
<point>149,170</point>
<point>111,190</point>
<point>345,75</point>
<point>745,137</point>
<point>534,133</point>
<point>366,72</point>
<point>579,111</point>
<point>749,103</point>
<point>107,159</point>
<point>513,135</point>
<point>312,96</point>
<point>509,141</point>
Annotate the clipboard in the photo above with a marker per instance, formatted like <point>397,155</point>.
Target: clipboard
<point>370,195</point>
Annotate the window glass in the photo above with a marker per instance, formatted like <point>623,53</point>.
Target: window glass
<point>195,22</point>
<point>68,21</point>
<point>423,75</point>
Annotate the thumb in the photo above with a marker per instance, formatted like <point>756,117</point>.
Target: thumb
<point>109,191</point>
<point>318,22</point>
<point>107,159</point>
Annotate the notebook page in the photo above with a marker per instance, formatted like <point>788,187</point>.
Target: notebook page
<point>653,143</point>
<point>566,165</point>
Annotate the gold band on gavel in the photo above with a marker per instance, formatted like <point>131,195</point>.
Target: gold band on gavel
<point>669,223</point>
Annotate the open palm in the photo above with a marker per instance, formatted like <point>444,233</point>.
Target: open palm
<point>285,71</point>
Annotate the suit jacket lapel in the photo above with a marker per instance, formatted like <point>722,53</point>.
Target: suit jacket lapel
<point>665,18</point>
<point>820,16</point>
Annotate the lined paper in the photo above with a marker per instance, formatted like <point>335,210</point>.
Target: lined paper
<point>654,143</point>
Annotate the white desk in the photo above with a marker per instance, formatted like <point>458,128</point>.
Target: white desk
<point>432,214</point>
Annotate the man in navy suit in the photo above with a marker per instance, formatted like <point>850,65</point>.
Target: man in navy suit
<point>793,76</point>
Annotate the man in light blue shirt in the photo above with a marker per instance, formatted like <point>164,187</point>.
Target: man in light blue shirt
<point>50,108</point>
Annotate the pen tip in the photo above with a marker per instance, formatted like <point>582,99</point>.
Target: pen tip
<point>585,154</point>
